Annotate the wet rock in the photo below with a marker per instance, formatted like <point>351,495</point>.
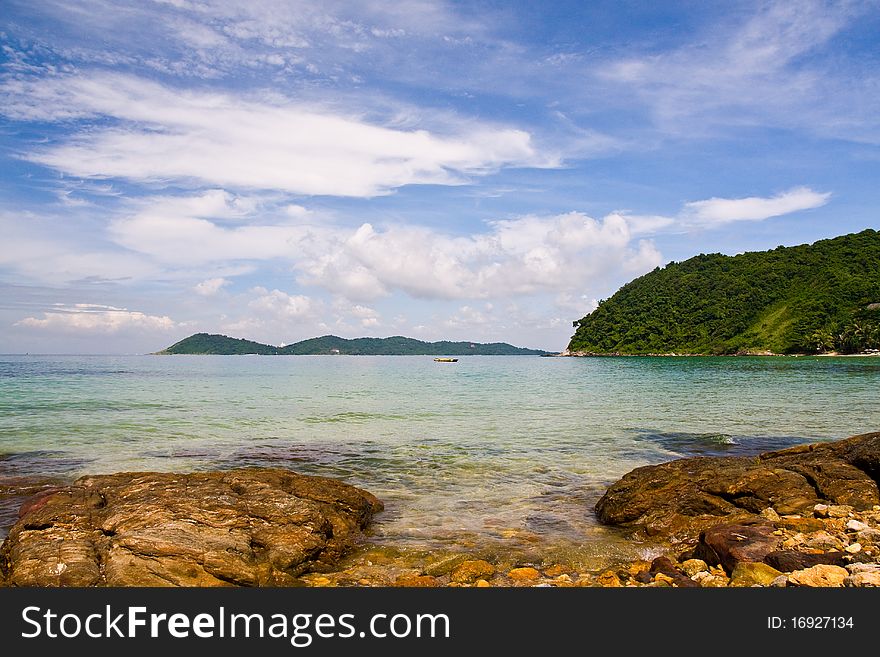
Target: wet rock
<point>445,565</point>
<point>416,581</point>
<point>609,579</point>
<point>482,584</point>
<point>681,498</point>
<point>643,577</point>
<point>693,566</point>
<point>729,544</point>
<point>555,570</point>
<point>819,576</point>
<point>750,573</point>
<point>472,570</point>
<point>800,524</point>
<point>790,560</point>
<point>523,574</point>
<point>665,566</point>
<point>247,527</point>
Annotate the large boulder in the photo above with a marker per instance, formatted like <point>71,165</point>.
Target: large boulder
<point>679,499</point>
<point>251,527</point>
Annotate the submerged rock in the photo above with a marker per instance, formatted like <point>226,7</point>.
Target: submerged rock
<point>681,498</point>
<point>251,527</point>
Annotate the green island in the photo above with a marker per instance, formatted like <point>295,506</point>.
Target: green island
<point>205,343</point>
<point>808,299</point>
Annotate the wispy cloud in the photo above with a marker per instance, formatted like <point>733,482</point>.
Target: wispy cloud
<point>716,211</point>
<point>165,135</point>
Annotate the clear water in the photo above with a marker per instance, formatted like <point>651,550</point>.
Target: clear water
<point>489,453</point>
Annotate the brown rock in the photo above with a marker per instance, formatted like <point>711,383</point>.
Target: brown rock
<point>416,581</point>
<point>750,573</point>
<point>608,579</point>
<point>665,566</point>
<point>800,524</point>
<point>470,571</point>
<point>247,527</point>
<point>819,576</point>
<point>871,579</point>
<point>729,544</point>
<point>680,498</point>
<point>523,574</point>
<point>693,566</point>
<point>555,570</point>
<point>789,560</point>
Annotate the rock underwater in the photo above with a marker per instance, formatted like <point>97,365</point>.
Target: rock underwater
<point>249,527</point>
<point>679,499</point>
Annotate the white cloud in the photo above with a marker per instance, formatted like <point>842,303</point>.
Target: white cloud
<point>270,143</point>
<point>93,318</point>
<point>515,257</point>
<point>715,211</point>
<point>210,286</point>
<point>280,305</point>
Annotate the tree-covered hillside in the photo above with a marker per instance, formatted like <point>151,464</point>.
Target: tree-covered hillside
<point>812,298</point>
<point>204,343</point>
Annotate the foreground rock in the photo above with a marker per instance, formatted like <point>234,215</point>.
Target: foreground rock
<point>253,527</point>
<point>679,499</point>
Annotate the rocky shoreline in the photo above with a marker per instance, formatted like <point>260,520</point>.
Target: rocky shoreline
<point>805,516</point>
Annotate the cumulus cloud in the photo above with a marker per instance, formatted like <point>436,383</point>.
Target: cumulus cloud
<point>93,318</point>
<point>515,257</point>
<point>161,134</point>
<point>725,210</point>
<point>210,286</point>
<point>280,305</point>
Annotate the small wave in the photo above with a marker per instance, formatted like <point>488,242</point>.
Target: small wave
<point>718,444</point>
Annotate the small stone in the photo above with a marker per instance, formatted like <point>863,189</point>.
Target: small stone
<point>718,571</point>
<point>821,510</point>
<point>778,532</point>
<point>554,570</point>
<point>863,568</point>
<point>770,514</point>
<point>416,581</point>
<point>693,566</point>
<point>608,579</point>
<point>855,525</point>
<point>750,573</point>
<point>800,524</point>
<point>523,574</point>
<point>855,548</point>
<point>564,577</point>
<point>863,579</point>
<point>819,576</point>
<point>839,511</point>
<point>876,507</point>
<point>365,582</point>
<point>482,584</point>
<point>470,571</point>
<point>780,582</point>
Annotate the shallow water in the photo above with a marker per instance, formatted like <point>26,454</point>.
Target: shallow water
<point>491,454</point>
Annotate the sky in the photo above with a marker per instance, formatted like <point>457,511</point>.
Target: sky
<point>487,171</point>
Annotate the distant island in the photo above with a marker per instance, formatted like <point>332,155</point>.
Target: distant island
<point>808,299</point>
<point>205,343</point>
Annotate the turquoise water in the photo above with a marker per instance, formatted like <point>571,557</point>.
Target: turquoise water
<point>489,453</point>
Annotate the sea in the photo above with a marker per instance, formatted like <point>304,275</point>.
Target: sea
<point>489,455</point>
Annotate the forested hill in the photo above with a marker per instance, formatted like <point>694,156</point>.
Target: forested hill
<point>812,298</point>
<point>204,343</point>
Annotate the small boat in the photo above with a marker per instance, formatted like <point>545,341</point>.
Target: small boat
<point>446,360</point>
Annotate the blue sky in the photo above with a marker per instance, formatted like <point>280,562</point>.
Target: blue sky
<point>278,170</point>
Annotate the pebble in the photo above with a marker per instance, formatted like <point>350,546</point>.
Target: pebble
<point>608,579</point>
<point>855,548</point>
<point>554,570</point>
<point>482,584</point>
<point>819,576</point>
<point>470,571</point>
<point>855,525</point>
<point>863,579</point>
<point>821,510</point>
